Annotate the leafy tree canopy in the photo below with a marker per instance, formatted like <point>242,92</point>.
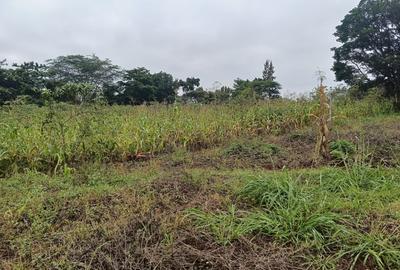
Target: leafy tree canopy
<point>266,89</point>
<point>189,84</point>
<point>26,79</point>
<point>83,69</point>
<point>138,86</point>
<point>259,88</point>
<point>76,93</point>
<point>370,46</point>
<point>165,87</point>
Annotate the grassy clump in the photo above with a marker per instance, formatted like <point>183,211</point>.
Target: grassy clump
<point>225,226</point>
<point>290,212</point>
<point>318,211</point>
<point>376,250</point>
<point>251,149</point>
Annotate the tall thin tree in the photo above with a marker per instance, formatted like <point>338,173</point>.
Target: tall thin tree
<point>269,71</point>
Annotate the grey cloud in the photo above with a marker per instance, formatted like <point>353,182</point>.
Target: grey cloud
<point>216,40</point>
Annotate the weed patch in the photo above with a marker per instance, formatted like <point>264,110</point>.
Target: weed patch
<point>251,149</point>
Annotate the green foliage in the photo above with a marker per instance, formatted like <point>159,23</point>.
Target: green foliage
<point>256,89</point>
<point>179,156</point>
<point>342,150</point>
<point>137,87</point>
<point>82,79</point>
<point>269,71</point>
<point>259,88</point>
<point>370,46</point>
<point>26,80</point>
<point>77,93</point>
<point>225,227</point>
<point>189,84</point>
<point>372,248</point>
<point>246,95</point>
<point>192,93</point>
<point>299,226</point>
<point>290,212</point>
<point>328,218</point>
<point>251,149</point>
<point>266,89</point>
<point>304,209</point>
<point>165,87</point>
<point>287,212</point>
<point>119,133</point>
<point>223,95</point>
<point>82,69</point>
<point>199,95</point>
<point>21,100</point>
<point>273,193</point>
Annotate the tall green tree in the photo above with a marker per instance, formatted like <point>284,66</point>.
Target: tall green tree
<point>369,54</point>
<point>137,87</point>
<point>240,85</point>
<point>82,69</point>
<point>269,71</point>
<point>166,87</point>
<point>30,78</point>
<point>27,79</point>
<point>266,89</point>
<point>259,88</point>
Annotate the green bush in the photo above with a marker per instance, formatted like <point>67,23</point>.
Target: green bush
<point>342,150</point>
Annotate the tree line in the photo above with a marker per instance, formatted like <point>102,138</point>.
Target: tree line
<point>368,58</point>
<point>80,79</point>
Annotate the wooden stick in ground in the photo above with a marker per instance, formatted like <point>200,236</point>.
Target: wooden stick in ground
<point>322,146</point>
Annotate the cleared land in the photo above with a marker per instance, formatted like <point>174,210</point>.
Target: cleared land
<point>198,187</point>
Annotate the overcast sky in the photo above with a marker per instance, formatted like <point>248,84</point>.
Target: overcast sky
<point>215,40</point>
